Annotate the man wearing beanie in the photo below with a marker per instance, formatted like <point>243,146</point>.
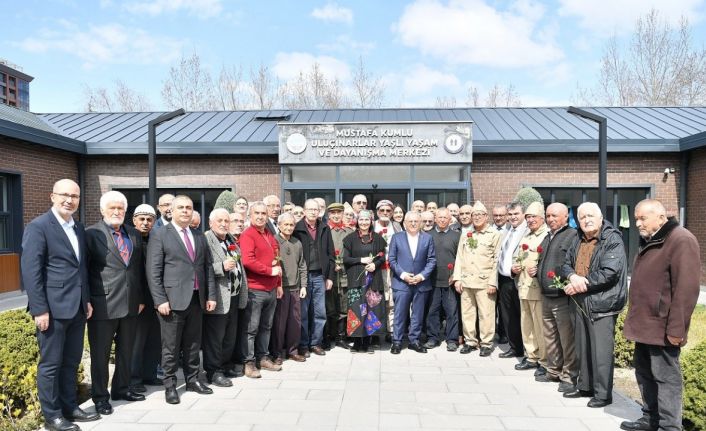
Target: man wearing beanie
<point>336,299</point>
<point>525,269</point>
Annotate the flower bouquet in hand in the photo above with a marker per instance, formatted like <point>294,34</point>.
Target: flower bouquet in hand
<point>233,253</point>
<point>558,283</point>
<point>371,256</point>
<point>470,241</point>
<point>339,265</point>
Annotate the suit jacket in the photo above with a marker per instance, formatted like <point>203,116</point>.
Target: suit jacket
<point>324,241</point>
<point>54,279</point>
<point>224,300</point>
<point>271,226</point>
<point>116,288</point>
<point>400,258</point>
<point>171,272</point>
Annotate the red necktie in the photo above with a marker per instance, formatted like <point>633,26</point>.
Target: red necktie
<point>122,246</point>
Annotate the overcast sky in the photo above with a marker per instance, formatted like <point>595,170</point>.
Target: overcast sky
<point>421,49</point>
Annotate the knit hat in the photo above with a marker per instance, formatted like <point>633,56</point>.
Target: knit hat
<point>335,206</point>
<point>145,209</point>
<point>535,209</point>
<point>478,207</point>
<point>383,203</point>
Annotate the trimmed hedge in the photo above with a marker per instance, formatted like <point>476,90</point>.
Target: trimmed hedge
<point>624,349</point>
<point>693,364</point>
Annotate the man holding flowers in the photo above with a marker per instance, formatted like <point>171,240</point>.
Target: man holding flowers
<point>557,318</point>
<point>525,269</point>
<point>336,298</point>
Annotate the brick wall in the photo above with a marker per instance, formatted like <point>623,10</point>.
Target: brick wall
<point>40,167</point>
<point>696,203</point>
<point>253,176</point>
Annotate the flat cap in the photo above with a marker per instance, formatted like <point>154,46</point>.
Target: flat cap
<point>335,206</point>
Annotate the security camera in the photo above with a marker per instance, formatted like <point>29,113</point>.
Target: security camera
<point>666,171</point>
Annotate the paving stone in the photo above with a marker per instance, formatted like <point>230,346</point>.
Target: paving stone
<point>542,424</point>
<point>182,416</point>
<point>399,420</point>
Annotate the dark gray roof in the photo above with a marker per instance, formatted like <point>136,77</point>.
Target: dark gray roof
<point>19,124</point>
<point>495,130</point>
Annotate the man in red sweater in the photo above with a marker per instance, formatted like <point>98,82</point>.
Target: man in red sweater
<point>260,254</point>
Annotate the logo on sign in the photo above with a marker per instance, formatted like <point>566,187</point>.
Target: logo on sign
<point>296,143</point>
<point>454,143</point>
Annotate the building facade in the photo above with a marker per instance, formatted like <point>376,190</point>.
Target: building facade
<point>14,86</point>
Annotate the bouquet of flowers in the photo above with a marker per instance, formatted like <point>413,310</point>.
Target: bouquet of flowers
<point>558,283</point>
<point>381,254</point>
<point>470,241</point>
<point>524,254</point>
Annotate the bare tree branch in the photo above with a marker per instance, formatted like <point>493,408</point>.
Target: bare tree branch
<point>368,91</point>
<point>189,86</point>
<point>263,86</point>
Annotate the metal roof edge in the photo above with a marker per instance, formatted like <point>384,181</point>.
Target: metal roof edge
<point>41,137</point>
<point>692,142</point>
<point>185,148</point>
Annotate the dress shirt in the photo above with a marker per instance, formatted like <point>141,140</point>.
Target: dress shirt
<point>180,230</point>
<point>413,241</point>
<point>512,239</point>
<point>68,227</point>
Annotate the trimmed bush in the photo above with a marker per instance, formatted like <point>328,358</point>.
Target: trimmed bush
<point>693,364</point>
<point>624,348</point>
<point>527,195</point>
<point>225,200</point>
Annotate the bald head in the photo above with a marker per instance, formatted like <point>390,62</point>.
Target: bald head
<point>650,216</point>
<point>65,198</point>
<point>557,216</point>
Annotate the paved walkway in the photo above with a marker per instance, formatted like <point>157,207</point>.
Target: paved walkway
<point>341,391</point>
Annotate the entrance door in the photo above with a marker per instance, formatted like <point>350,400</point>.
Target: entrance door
<point>375,196</point>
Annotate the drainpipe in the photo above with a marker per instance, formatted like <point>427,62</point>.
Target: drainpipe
<point>683,180</point>
<point>81,167</point>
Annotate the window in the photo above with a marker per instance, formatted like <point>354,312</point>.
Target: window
<point>10,213</point>
<point>309,174</point>
<point>4,215</point>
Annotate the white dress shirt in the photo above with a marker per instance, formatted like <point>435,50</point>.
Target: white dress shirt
<point>191,237</point>
<point>512,240</point>
<point>68,227</point>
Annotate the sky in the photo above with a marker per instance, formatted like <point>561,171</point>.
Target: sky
<point>420,49</point>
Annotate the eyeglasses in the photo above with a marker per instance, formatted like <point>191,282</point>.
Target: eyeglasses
<point>68,196</point>
<point>384,210</point>
<point>428,221</point>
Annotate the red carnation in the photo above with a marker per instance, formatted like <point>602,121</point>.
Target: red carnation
<point>469,234</point>
<point>231,247</point>
<point>384,231</point>
<point>338,252</point>
<point>551,274</point>
<point>525,247</point>
<point>539,249</point>
<point>450,266</point>
<point>381,254</point>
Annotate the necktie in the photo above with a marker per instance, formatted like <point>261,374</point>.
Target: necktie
<point>192,255</point>
<point>122,246</point>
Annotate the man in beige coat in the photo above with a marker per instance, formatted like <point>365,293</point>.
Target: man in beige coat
<point>475,277</point>
<point>525,269</point>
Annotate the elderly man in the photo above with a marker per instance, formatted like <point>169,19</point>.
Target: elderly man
<point>180,276</point>
<point>507,288</point>
<point>443,295</point>
<point>55,277</point>
<point>525,269</point>
<point>286,329</point>
<point>261,259</point>
<point>558,320</point>
<point>475,277</point>
<point>432,206</point>
<point>319,254</point>
<point>427,221</point>
<point>596,267</point>
<point>236,225</point>
<point>287,207</point>
<point>146,350</point>
<point>273,210</point>
<point>322,209</point>
<point>465,220</point>
<point>386,227</point>
<point>500,218</point>
<point>418,206</point>
<point>664,269</point>
<point>500,223</point>
<point>165,210</point>
<point>220,326</point>
<point>359,202</point>
<point>116,276</point>
<point>412,260</point>
<point>298,213</point>
<point>454,210</point>
<point>336,298</point>
<point>350,218</point>
<point>195,220</point>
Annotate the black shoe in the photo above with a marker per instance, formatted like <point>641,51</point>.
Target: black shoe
<point>509,354</point>
<point>340,342</point>
<point>526,365</point>
<point>566,387</point>
<point>60,424</point>
<point>642,424</point>
<point>79,415</point>
<point>395,349</point>
<point>153,382</point>
<point>540,371</point>
<point>172,396</point>
<point>139,388</point>
<point>375,341</point>
<point>234,372</point>
<point>547,378</point>
<point>485,351</point>
<point>104,408</point>
<point>578,393</point>
<point>417,347</point>
<point>129,396</point>
<point>467,348</point>
<point>199,388</point>
<point>219,379</point>
<point>430,344</point>
<point>596,403</point>
<point>451,346</point>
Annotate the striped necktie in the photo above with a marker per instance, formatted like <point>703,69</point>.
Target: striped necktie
<point>122,246</point>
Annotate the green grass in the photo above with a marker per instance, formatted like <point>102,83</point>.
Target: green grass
<point>697,329</point>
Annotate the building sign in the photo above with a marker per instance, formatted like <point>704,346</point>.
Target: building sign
<point>346,143</point>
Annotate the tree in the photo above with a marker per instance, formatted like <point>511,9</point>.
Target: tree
<point>189,86</point>
<point>368,91</point>
<point>660,67</point>
<point>122,99</point>
<point>312,90</point>
<point>503,97</point>
<point>230,88</point>
<point>445,102</point>
<point>263,87</point>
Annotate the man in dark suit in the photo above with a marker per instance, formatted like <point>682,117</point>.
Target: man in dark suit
<point>54,275</point>
<point>116,274</point>
<point>165,210</point>
<point>412,260</point>
<point>182,283</point>
<point>273,210</point>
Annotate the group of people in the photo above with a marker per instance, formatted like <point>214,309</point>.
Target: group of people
<point>269,282</point>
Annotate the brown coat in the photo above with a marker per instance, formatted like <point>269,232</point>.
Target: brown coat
<point>664,287</point>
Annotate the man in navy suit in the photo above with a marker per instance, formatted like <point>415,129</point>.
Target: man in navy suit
<point>412,260</point>
<point>55,277</point>
<point>165,210</point>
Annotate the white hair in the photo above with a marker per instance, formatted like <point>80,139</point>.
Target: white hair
<point>270,200</point>
<point>589,206</point>
<point>283,216</point>
<point>113,196</point>
<point>212,216</point>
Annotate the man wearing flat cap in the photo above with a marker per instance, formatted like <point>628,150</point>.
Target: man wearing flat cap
<point>336,298</point>
<point>475,277</point>
<point>525,269</point>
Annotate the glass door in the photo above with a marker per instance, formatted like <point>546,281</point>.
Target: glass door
<point>374,196</point>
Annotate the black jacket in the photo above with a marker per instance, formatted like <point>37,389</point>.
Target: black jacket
<point>607,273</point>
<point>552,259</point>
<point>324,242</point>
